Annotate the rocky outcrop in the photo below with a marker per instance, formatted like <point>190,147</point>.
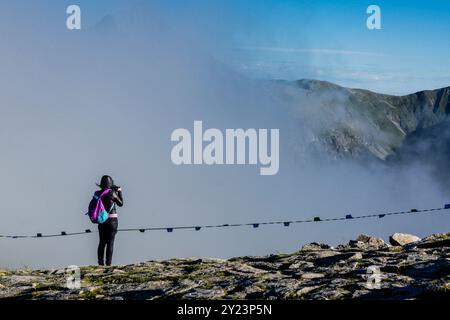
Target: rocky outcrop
<point>366,268</point>
<point>401,239</point>
<point>368,242</point>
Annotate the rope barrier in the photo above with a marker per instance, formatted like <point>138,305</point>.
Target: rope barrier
<point>253,224</point>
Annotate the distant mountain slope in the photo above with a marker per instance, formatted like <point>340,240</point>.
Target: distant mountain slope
<point>427,146</point>
<point>358,123</point>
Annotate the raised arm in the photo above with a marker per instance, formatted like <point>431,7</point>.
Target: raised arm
<point>118,198</point>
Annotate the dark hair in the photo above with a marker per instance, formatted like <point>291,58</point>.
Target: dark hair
<point>106,183</point>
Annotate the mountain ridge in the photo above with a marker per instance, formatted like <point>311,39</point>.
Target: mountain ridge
<point>361,122</point>
<point>309,81</point>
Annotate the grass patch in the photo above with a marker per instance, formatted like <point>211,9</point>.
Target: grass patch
<point>91,294</point>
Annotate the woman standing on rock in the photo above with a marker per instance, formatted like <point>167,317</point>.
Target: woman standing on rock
<point>108,229</point>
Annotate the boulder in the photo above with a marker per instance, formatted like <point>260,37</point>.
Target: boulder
<point>367,242</point>
<point>401,239</point>
<point>315,246</point>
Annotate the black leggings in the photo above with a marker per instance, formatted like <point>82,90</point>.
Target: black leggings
<point>107,231</point>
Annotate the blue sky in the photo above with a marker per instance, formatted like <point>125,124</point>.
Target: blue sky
<point>329,40</point>
<point>321,39</point>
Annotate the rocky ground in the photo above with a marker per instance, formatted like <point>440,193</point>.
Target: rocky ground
<point>365,268</point>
